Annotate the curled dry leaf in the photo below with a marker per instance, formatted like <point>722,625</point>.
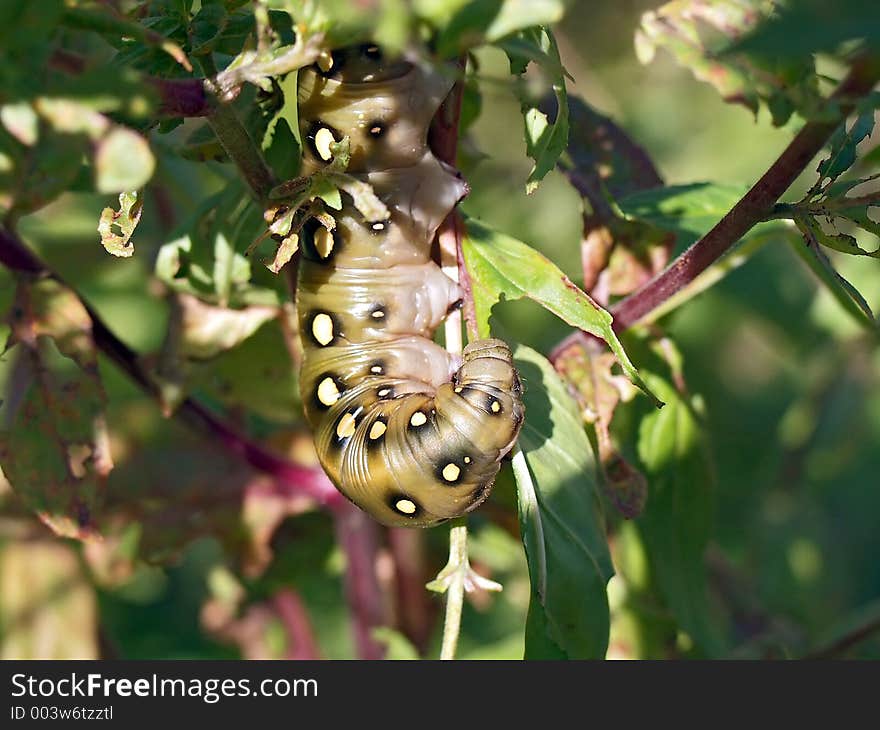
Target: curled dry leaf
<point>125,220</point>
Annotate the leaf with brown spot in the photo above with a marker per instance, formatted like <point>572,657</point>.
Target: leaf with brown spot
<point>54,447</point>
<point>598,392</point>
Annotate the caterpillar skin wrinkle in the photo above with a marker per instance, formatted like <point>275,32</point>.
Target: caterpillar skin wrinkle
<point>409,433</point>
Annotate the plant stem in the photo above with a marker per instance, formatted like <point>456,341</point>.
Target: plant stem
<point>309,481</point>
<point>415,612</point>
<point>754,207</point>
<point>241,149</point>
<point>839,646</point>
<point>455,591</point>
<point>295,618</point>
<point>443,140</point>
<point>357,535</point>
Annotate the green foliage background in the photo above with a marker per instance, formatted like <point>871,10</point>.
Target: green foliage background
<point>784,422</point>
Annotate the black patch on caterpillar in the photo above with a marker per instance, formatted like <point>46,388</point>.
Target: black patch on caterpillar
<point>423,428</point>
<point>377,228</point>
<point>378,315</point>
<point>376,129</point>
<point>314,128</point>
<point>377,367</point>
<point>493,405</point>
<point>356,416</point>
<point>338,62</point>
<point>371,51</point>
<point>446,474</point>
<point>337,381</point>
<point>479,398</point>
<point>310,251</point>
<point>334,320</point>
<point>385,392</point>
<point>399,497</point>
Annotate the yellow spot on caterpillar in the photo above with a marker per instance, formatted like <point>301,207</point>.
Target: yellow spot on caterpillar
<point>323,139</point>
<point>325,61</point>
<point>408,507</point>
<point>377,369</point>
<point>467,459</point>
<point>377,430</point>
<point>418,419</point>
<point>495,407</point>
<point>322,329</point>
<point>345,427</point>
<point>323,242</point>
<point>328,392</point>
<point>451,472</point>
<point>459,389</point>
<point>378,226</point>
<point>383,392</point>
<point>378,314</point>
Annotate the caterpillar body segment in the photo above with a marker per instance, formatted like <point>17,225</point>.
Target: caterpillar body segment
<point>408,432</point>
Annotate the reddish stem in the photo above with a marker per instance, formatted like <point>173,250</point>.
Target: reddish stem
<point>414,608</point>
<point>292,612</point>
<point>309,481</point>
<point>754,207</point>
<point>357,534</point>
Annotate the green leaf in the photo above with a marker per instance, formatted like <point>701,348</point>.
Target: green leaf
<point>676,522</point>
<point>282,150</point>
<point>397,646</point>
<point>545,140</point>
<point>123,161</point>
<point>207,27</point>
<point>704,35</point>
<point>466,25</point>
<point>125,219</point>
<point>842,242</point>
<point>21,122</point>
<point>560,521</point>
<point>502,267</point>
<point>55,449</point>
<point>199,332</point>
<point>270,387</point>
<point>799,29</point>
<point>843,150</point>
<point>844,292</point>
<point>688,210</point>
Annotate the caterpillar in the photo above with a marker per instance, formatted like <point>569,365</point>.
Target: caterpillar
<point>408,432</point>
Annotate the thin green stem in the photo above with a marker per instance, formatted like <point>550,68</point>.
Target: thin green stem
<point>242,151</point>
<point>454,592</point>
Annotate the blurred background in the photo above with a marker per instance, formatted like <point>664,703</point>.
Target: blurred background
<point>789,384</point>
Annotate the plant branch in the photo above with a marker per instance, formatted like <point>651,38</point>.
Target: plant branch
<point>241,149</point>
<point>443,140</point>
<point>293,614</point>
<point>309,481</point>
<point>755,206</point>
<point>357,535</point>
<point>851,638</point>
<point>176,97</point>
<point>455,591</point>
